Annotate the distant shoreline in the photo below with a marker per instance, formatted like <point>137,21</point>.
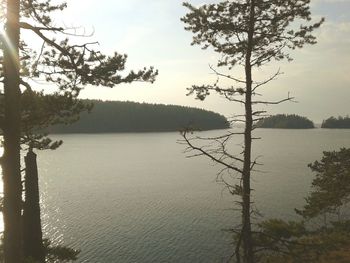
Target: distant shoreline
<point>196,131</point>
<point>126,117</point>
<point>136,132</point>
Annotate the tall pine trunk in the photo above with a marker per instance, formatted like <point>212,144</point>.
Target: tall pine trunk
<point>32,233</point>
<point>11,159</point>
<point>247,241</point>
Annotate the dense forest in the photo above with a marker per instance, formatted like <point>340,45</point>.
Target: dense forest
<point>336,123</point>
<point>117,116</point>
<point>245,35</point>
<point>284,121</point>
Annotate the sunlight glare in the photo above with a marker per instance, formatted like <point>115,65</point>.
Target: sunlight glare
<point>6,43</point>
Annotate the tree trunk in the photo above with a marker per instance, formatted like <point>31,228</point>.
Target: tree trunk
<point>32,233</point>
<point>248,253</point>
<point>11,159</point>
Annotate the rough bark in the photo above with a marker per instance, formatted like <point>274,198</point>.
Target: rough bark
<point>11,130</point>
<point>32,233</point>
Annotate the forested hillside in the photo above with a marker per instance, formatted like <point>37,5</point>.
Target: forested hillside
<point>336,123</point>
<point>116,116</point>
<point>283,121</point>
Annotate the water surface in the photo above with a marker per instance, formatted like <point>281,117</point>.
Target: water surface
<point>136,198</point>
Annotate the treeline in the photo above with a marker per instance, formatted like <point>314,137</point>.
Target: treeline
<point>336,123</point>
<point>117,116</point>
<point>284,121</point>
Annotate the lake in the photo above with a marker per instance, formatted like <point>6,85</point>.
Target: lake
<point>137,198</point>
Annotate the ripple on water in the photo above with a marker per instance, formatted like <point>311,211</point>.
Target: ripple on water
<point>136,198</point>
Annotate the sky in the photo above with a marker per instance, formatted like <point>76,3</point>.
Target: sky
<point>151,33</point>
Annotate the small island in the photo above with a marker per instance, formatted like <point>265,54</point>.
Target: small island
<point>121,117</point>
<point>286,121</point>
<point>336,123</point>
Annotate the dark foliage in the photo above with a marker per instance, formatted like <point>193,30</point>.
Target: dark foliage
<point>116,116</point>
<point>331,187</point>
<point>336,123</point>
<point>224,26</point>
<point>294,242</point>
<point>305,241</point>
<point>39,110</point>
<point>283,121</point>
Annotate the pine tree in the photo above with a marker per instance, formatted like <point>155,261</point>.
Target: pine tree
<point>331,187</point>
<point>69,66</point>
<point>308,240</point>
<point>247,33</point>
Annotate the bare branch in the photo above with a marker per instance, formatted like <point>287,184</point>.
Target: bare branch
<point>226,76</point>
<point>25,25</point>
<point>274,102</point>
<point>273,77</point>
<point>212,157</point>
<point>26,84</point>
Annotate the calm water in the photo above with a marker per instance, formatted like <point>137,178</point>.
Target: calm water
<point>136,198</point>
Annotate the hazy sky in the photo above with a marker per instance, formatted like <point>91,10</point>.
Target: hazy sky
<point>151,33</point>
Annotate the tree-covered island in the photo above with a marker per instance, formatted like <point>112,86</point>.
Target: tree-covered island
<point>286,121</point>
<point>118,116</point>
<point>336,123</point>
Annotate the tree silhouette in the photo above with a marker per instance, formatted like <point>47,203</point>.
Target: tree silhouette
<point>68,65</point>
<point>125,116</point>
<point>310,240</point>
<point>247,33</point>
<point>283,121</point>
<point>336,123</point>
